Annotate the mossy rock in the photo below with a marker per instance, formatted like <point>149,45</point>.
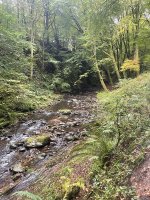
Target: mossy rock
<point>65,111</point>
<point>37,141</point>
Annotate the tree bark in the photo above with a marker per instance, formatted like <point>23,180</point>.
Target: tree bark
<point>98,71</point>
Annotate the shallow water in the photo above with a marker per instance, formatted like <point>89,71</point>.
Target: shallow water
<point>48,121</point>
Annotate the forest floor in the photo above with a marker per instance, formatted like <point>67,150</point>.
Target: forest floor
<point>140,178</point>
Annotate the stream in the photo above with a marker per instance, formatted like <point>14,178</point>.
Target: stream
<point>64,122</point>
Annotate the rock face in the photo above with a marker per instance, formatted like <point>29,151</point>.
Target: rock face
<point>17,168</point>
<point>37,141</point>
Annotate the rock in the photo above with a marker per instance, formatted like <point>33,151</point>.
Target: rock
<point>16,177</point>
<point>58,133</point>
<point>55,122</point>
<point>19,143</point>
<point>65,111</point>
<point>69,138</point>
<point>76,137</point>
<point>72,137</point>
<point>37,141</point>
<point>53,143</point>
<point>3,138</point>
<point>12,145</point>
<point>64,118</point>
<point>15,144</point>
<point>17,168</point>
<point>41,156</point>
<point>76,123</point>
<point>22,149</point>
<point>84,133</point>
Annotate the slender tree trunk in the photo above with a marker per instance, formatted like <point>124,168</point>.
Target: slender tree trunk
<point>32,7</point>
<point>136,57</point>
<point>115,63</point>
<point>109,77</point>
<point>98,71</point>
<point>43,51</point>
<point>116,67</point>
<point>32,54</point>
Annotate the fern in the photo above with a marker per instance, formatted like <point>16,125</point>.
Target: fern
<point>29,195</point>
<point>97,147</point>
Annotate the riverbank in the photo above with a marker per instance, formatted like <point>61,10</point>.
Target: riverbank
<point>64,124</point>
<point>20,95</point>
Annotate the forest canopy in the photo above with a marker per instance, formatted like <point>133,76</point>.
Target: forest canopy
<point>80,44</point>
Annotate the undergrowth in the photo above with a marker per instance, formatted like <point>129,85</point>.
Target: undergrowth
<point>124,123</point>
<point>19,95</point>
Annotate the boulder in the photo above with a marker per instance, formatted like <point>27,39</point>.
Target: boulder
<point>22,149</point>
<point>55,122</point>
<point>71,137</point>
<point>37,141</point>
<point>16,177</point>
<point>65,111</point>
<point>17,168</point>
<point>41,156</point>
<point>14,144</point>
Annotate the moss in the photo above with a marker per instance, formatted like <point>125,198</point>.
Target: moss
<point>40,138</point>
<point>65,111</point>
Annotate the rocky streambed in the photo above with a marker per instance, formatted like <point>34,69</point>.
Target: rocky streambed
<point>26,147</point>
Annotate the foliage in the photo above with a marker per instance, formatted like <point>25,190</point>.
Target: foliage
<point>132,65</point>
<point>19,96</point>
<point>67,186</point>
<point>124,117</point>
<point>59,85</point>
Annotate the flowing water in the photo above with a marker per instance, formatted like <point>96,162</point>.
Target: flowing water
<point>63,129</point>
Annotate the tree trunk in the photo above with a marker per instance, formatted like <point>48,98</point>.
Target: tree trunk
<point>109,77</point>
<point>116,67</point>
<point>115,63</point>
<point>32,54</point>
<point>98,71</point>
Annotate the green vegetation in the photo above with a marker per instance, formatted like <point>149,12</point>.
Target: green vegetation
<point>79,44</point>
<point>115,145</point>
<point>70,46</point>
<point>125,123</point>
<point>19,96</point>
